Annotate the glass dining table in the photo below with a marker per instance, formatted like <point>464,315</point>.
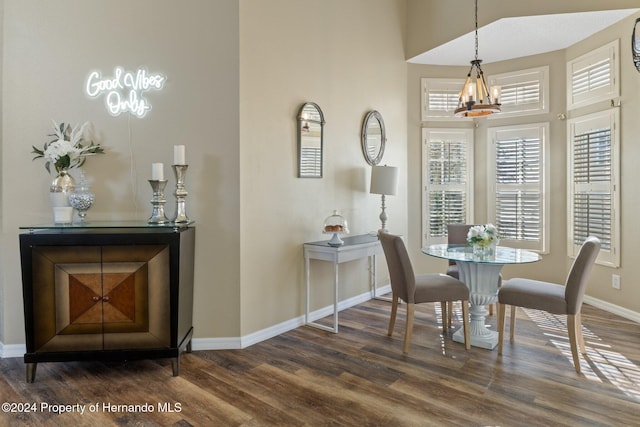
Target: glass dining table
<point>481,274</point>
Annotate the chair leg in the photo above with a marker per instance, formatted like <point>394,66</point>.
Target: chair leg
<point>490,309</point>
<point>512,325</point>
<point>445,322</point>
<point>449,313</point>
<point>465,324</point>
<point>573,339</point>
<point>581,345</point>
<point>394,311</point>
<point>502,311</point>
<point>409,330</point>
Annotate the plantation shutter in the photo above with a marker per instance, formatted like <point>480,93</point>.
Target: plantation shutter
<point>520,94</point>
<point>593,183</point>
<point>523,92</point>
<point>440,98</point>
<point>447,177</point>
<point>590,78</point>
<point>518,196</point>
<point>517,173</point>
<point>593,77</point>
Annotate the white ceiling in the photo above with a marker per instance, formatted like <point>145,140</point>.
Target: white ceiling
<point>510,38</point>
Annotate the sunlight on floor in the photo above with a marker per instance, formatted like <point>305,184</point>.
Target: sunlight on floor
<point>601,364</point>
<point>456,319</point>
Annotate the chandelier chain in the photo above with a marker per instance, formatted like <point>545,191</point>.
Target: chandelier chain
<point>476,30</point>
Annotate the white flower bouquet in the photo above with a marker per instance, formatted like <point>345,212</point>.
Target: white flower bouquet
<point>69,147</point>
<point>483,235</point>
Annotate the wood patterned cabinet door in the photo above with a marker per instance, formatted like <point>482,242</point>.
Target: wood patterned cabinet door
<point>101,297</point>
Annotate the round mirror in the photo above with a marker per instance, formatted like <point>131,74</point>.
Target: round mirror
<point>374,137</point>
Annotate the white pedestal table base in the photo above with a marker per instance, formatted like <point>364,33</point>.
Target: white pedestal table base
<point>482,281</point>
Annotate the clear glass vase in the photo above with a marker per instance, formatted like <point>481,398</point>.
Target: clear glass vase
<point>82,198</point>
<point>484,252</point>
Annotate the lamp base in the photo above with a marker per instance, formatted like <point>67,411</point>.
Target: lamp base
<point>383,216</point>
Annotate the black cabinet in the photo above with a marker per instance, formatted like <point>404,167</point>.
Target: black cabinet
<point>107,292</point>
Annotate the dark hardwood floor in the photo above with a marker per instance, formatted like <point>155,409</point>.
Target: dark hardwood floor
<point>358,377</point>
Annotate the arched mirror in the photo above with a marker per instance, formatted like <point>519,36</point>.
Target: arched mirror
<point>310,124</point>
<point>373,137</point>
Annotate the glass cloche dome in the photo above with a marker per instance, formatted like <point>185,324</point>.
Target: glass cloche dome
<point>335,224</point>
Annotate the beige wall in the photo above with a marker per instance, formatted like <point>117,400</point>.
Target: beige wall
<point>555,264</point>
<point>50,47</point>
<point>348,58</point>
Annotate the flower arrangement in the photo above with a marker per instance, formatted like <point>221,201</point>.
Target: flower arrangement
<point>69,147</point>
<point>482,235</point>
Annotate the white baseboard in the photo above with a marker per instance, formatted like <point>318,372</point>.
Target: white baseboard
<point>613,309</point>
<point>271,331</point>
<point>12,350</point>
<point>230,343</point>
<point>280,328</point>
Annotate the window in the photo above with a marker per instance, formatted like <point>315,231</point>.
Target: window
<point>518,184</point>
<point>523,92</point>
<point>447,179</point>
<point>594,197</point>
<point>593,77</point>
<point>440,98</point>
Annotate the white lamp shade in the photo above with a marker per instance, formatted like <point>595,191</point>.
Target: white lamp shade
<point>384,180</point>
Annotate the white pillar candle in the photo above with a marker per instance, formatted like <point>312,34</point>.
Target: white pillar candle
<point>157,171</point>
<point>179,155</point>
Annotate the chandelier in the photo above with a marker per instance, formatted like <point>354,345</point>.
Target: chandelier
<point>475,99</point>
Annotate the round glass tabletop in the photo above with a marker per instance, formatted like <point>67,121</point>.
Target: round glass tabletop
<point>464,253</point>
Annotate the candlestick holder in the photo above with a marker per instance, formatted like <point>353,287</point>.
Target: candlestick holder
<point>181,194</point>
<point>157,201</point>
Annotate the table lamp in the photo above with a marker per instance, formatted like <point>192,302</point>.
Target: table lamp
<point>384,181</point>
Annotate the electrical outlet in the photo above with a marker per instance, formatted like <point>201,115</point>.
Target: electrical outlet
<point>615,281</point>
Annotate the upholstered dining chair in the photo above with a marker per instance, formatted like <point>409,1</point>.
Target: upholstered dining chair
<point>423,288</point>
<point>456,235</point>
<point>552,298</point>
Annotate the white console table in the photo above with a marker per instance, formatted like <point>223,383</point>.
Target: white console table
<point>355,247</point>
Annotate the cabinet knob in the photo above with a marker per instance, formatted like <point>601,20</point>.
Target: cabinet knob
<point>96,298</point>
<point>105,298</point>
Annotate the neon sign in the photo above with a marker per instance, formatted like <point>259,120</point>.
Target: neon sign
<point>123,92</point>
